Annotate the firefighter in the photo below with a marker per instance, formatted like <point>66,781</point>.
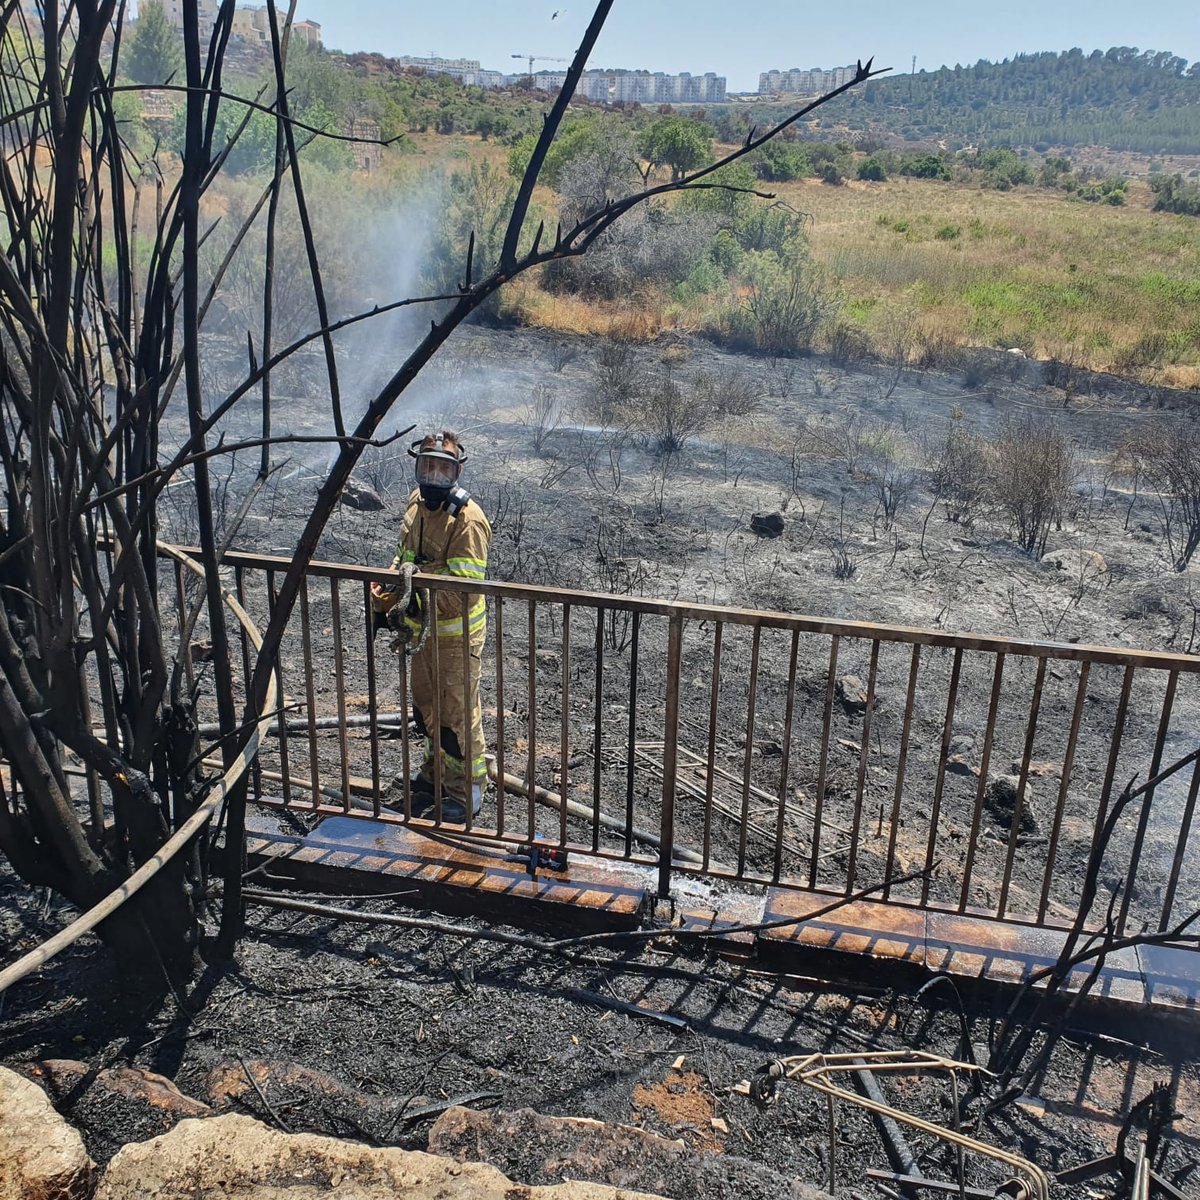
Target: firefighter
<point>445,532</point>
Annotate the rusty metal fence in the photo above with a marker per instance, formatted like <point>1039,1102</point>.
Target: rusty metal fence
<point>764,747</point>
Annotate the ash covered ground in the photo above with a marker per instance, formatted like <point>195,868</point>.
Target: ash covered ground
<point>396,1022</point>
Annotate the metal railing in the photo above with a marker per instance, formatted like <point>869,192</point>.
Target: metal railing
<point>764,747</point>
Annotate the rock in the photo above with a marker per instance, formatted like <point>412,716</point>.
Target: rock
<point>539,1148</point>
<point>767,524</point>
<point>360,496</point>
<point>1000,800</point>
<point>962,744</point>
<point>200,651</point>
<point>239,1158</point>
<point>852,694</point>
<point>957,764</point>
<point>41,1156</point>
<point>1078,564</point>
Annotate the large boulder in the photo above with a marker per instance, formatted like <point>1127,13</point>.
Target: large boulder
<point>41,1156</point>
<point>238,1158</point>
<point>362,496</point>
<point>542,1149</point>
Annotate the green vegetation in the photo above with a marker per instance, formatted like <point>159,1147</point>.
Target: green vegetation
<point>987,245</point>
<point>1146,102</point>
<point>155,53</point>
<point>1172,195</point>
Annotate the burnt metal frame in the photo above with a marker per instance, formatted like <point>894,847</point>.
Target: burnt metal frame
<point>678,615</point>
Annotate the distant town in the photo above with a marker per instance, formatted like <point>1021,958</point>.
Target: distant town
<point>251,27</point>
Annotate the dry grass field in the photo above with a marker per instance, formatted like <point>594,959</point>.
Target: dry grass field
<point>938,264</point>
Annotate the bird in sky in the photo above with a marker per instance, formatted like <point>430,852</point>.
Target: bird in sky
<point>558,12</point>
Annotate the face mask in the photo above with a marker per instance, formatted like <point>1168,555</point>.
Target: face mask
<point>433,495</point>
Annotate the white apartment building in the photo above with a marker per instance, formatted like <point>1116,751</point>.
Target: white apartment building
<point>812,82</point>
<point>635,87</point>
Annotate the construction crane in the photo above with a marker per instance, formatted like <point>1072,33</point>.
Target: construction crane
<point>532,58</point>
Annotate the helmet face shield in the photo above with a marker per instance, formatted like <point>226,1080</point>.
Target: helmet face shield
<point>436,469</point>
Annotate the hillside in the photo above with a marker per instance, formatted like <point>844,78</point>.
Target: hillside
<point>1141,102</point>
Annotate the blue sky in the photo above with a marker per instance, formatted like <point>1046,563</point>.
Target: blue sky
<point>720,36</point>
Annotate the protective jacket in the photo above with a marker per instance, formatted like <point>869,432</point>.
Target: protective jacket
<point>444,542</point>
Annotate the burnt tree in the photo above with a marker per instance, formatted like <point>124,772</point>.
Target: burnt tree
<point>95,347</point>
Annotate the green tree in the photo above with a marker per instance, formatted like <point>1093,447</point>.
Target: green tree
<point>605,139</point>
<point>678,143</point>
<point>778,162</point>
<point>155,53</point>
<point>872,169</point>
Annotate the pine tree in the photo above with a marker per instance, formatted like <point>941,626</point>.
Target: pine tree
<point>155,53</point>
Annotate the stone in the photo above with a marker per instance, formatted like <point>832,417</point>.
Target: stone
<point>41,1156</point>
<point>767,524</point>
<point>852,695</point>
<point>1000,800</point>
<point>541,1148</point>
<point>200,650</point>
<point>1077,564</point>
<point>361,496</point>
<point>958,764</point>
<point>239,1158</point>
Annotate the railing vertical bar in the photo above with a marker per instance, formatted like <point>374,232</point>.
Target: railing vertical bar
<point>1064,784</point>
<point>433,718</point>
<point>239,588</point>
<point>1114,752</point>
<point>500,789</point>
<point>339,682</point>
<point>819,803</point>
<point>755,649</point>
<point>1014,832</point>
<point>1110,772</point>
<point>936,814</point>
<point>631,736</point>
<point>1185,828</point>
<point>467,749</point>
<point>597,723</point>
<point>670,754</point>
<point>372,695</point>
<point>314,771</point>
<point>531,757</point>
<point>1164,726</point>
<point>405,755</point>
<point>710,773</point>
<point>901,767</point>
<point>281,720</point>
<point>789,713</point>
<point>989,737</point>
<point>564,744</point>
<point>864,756</point>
